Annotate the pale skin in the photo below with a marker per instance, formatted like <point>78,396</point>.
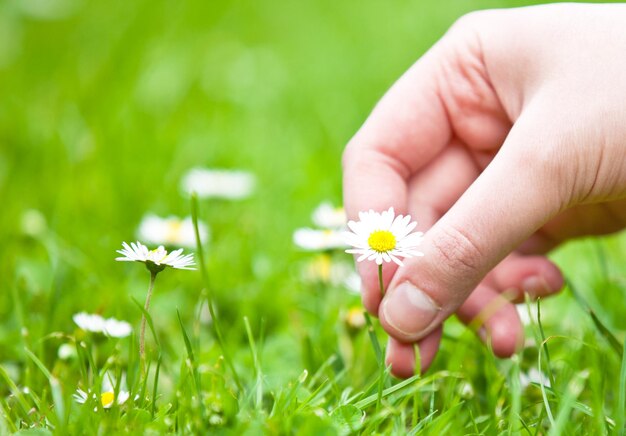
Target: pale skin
<point>505,139</point>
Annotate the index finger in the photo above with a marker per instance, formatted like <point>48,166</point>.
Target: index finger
<point>405,131</point>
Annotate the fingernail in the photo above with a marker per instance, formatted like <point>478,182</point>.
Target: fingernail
<point>409,310</point>
<point>535,285</point>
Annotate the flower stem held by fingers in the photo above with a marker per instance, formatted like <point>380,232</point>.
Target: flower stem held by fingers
<point>380,280</point>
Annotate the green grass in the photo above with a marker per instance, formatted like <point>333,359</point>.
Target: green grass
<point>105,105</point>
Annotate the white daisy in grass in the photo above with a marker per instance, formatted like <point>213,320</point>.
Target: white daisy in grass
<point>329,217</point>
<point>98,324</point>
<point>107,393</point>
<point>218,183</point>
<point>318,240</point>
<point>171,231</point>
<point>383,237</point>
<point>155,260</point>
<point>324,269</point>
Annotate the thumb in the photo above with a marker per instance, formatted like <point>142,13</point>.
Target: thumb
<point>514,196</point>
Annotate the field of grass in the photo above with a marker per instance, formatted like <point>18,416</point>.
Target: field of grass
<point>104,106</point>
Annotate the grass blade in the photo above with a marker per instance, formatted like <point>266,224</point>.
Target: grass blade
<point>55,389</point>
<point>257,365</point>
<point>373,338</point>
<point>210,298</point>
<point>190,355</point>
<point>602,329</point>
<point>621,396</point>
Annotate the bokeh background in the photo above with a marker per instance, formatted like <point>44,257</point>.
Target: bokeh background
<point>105,105</point>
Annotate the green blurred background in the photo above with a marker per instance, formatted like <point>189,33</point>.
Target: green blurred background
<point>105,105</point>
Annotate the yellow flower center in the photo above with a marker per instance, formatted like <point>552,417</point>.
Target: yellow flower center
<point>382,241</point>
<point>107,398</point>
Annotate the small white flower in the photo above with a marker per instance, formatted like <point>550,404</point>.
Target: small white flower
<point>97,324</point>
<point>155,260</point>
<point>81,396</point>
<point>329,217</point>
<point>89,322</point>
<point>33,223</point>
<point>215,183</point>
<point>66,351</point>
<point>323,269</point>
<point>317,240</point>
<point>171,231</point>
<point>107,393</point>
<point>383,237</point>
<point>355,319</point>
<point>533,376</point>
<point>116,328</point>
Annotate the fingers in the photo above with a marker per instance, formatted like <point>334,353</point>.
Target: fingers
<point>535,275</point>
<point>510,200</point>
<point>488,311</point>
<point>401,356</point>
<point>430,191</point>
<point>408,127</point>
<point>494,318</point>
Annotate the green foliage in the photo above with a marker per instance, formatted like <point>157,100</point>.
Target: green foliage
<point>105,105</point>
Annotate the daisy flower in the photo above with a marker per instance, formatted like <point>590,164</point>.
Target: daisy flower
<point>156,260</point>
<point>318,240</point>
<point>66,351</point>
<point>355,319</point>
<point>170,231</point>
<point>107,326</point>
<point>215,183</point>
<point>323,269</point>
<point>329,217</point>
<point>383,237</point>
<point>107,393</point>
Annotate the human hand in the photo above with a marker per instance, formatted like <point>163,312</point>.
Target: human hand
<point>505,139</point>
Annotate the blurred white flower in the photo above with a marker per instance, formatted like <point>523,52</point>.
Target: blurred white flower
<point>97,324</point>
<point>318,240</point>
<point>217,183</point>
<point>329,217</point>
<point>352,282</point>
<point>107,393</point>
<point>383,237</point>
<point>355,318</point>
<point>323,269</point>
<point>533,376</point>
<point>33,223</point>
<point>116,328</point>
<point>155,260</point>
<point>171,231</point>
<point>66,351</point>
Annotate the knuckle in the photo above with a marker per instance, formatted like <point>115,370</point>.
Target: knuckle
<point>457,255</point>
<point>467,23</point>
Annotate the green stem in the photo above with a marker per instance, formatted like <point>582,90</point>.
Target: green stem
<point>142,334</point>
<point>380,280</point>
<point>210,297</point>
